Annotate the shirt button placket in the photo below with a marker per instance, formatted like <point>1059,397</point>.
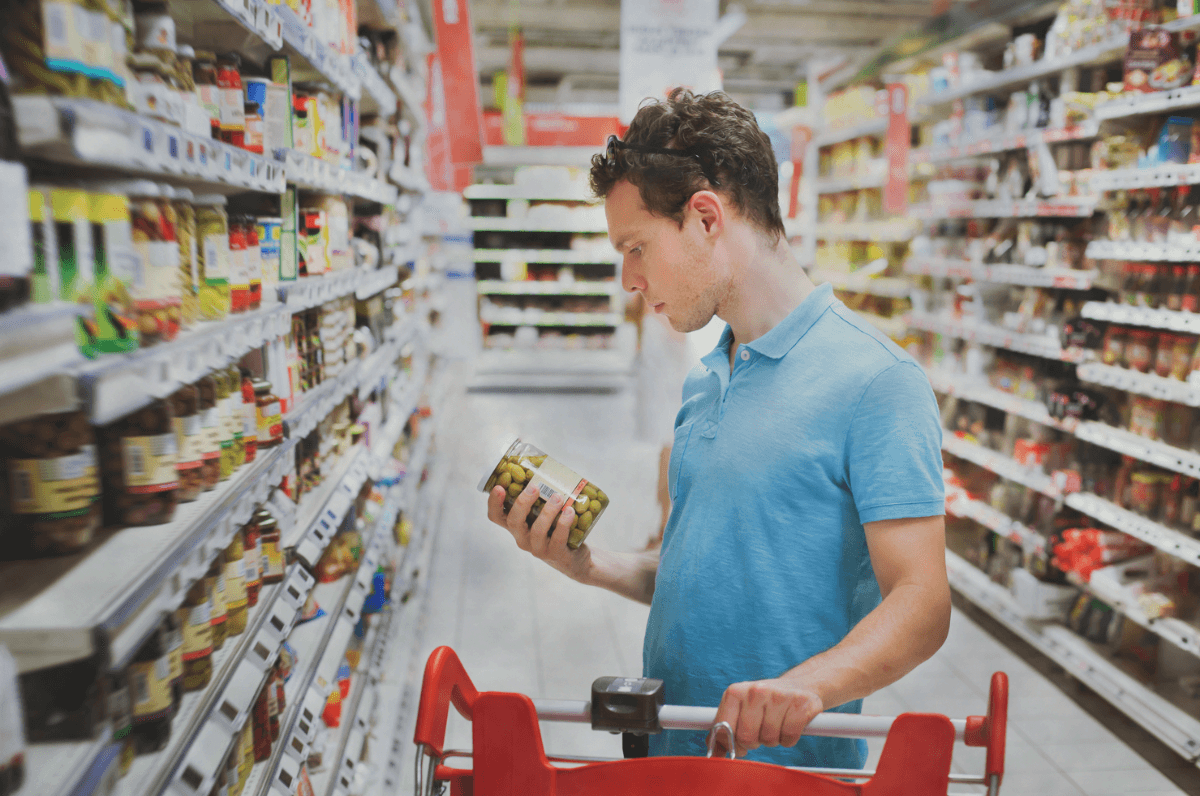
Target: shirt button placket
<point>745,355</point>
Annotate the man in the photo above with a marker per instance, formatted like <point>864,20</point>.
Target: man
<point>802,567</point>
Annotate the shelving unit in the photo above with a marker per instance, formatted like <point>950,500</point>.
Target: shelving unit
<point>947,340</point>
<point>100,606</point>
<point>550,317</point>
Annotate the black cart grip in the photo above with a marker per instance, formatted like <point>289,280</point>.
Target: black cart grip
<point>627,704</point>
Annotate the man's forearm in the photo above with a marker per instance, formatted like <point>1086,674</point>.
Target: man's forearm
<point>904,630</point>
<point>627,574</point>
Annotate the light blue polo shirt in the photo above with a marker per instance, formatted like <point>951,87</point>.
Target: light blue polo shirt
<point>823,425</point>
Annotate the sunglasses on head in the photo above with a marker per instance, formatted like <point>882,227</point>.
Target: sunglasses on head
<point>614,144</point>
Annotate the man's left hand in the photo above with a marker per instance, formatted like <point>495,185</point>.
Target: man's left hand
<point>766,713</point>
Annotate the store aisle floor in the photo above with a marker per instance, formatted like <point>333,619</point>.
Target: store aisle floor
<point>520,626</point>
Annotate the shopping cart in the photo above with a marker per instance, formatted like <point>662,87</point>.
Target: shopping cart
<point>508,758</point>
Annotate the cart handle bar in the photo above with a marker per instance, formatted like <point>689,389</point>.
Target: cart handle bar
<point>679,717</point>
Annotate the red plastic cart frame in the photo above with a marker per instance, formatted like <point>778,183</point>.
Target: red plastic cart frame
<point>508,757</point>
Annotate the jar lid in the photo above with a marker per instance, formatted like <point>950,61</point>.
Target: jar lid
<point>268,525</point>
<point>185,51</point>
<point>185,195</point>
<point>210,199</point>
<point>261,385</point>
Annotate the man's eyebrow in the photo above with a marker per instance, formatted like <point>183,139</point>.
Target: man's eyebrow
<point>622,243</point>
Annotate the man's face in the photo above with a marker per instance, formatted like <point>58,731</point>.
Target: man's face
<point>673,268</point>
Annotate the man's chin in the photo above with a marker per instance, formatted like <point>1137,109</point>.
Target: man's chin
<point>687,325</point>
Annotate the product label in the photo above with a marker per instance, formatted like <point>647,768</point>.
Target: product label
<point>210,432</point>
<point>62,487</point>
<point>553,478</point>
<point>218,600</point>
<point>61,39</point>
<point>210,101</point>
<point>235,585</point>
<point>197,632</point>
<point>272,560</point>
<point>233,109</point>
<point>224,407</point>
<point>149,463</point>
<point>252,567</point>
<point>216,259</point>
<point>188,440</point>
<point>254,133</point>
<point>165,272</point>
<point>250,422</point>
<point>239,273</point>
<point>175,653</point>
<point>270,421</point>
<point>151,682</point>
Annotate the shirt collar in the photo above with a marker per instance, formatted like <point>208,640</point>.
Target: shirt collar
<point>783,336</point>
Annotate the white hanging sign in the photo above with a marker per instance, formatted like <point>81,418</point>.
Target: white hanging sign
<point>665,44</point>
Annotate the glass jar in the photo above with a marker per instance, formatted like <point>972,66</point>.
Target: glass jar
<point>239,274</point>
<point>149,240</point>
<point>253,560</point>
<point>1181,357</point>
<point>235,585</point>
<point>271,554</point>
<point>189,441</point>
<point>214,582</point>
<point>1115,338</point>
<point>226,458</point>
<point>1139,350</point>
<point>116,267</point>
<point>210,429</point>
<point>137,465</point>
<point>1163,354</point>
<point>212,234</point>
<point>167,272</point>
<point>268,414</point>
<point>270,233</point>
<point>189,257</point>
<point>524,463</point>
<point>204,74</point>
<point>173,632</point>
<point>54,486</point>
<point>231,98</point>
<point>150,676</point>
<point>195,617</point>
<point>235,415</point>
<point>249,417</point>
<point>253,262</point>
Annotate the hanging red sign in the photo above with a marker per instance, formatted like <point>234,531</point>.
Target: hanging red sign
<point>460,78</point>
<point>437,139</point>
<point>895,190</point>
<point>801,138</point>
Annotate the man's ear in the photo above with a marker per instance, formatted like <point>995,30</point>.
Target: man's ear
<point>709,210</point>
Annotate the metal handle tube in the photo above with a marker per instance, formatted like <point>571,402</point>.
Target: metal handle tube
<point>679,717</point>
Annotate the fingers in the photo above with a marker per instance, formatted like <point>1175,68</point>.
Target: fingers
<point>729,711</point>
<point>562,529</point>
<point>496,506</point>
<point>764,713</point>
<point>539,532</point>
<point>518,515</point>
<point>793,725</point>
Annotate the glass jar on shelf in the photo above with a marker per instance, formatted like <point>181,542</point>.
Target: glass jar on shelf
<point>269,415</point>
<point>249,416</point>
<point>212,239</point>
<point>137,465</point>
<point>210,429</point>
<point>185,408</point>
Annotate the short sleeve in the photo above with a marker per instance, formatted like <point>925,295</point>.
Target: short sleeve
<point>894,448</point>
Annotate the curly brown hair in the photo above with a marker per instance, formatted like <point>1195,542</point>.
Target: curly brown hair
<point>727,145</point>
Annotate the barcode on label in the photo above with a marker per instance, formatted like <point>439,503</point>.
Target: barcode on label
<point>22,487</point>
<point>56,24</point>
<point>135,460</point>
<point>162,668</point>
<point>546,491</point>
<point>201,614</point>
<point>141,687</point>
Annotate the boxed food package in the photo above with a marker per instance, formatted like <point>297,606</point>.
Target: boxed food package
<point>1155,61</point>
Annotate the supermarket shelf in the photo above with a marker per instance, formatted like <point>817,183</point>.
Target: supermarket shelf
<point>408,178</point>
<point>504,316</point>
<point>1153,451</point>
<point>377,281</point>
<point>1002,143</point>
<point>312,406</point>
<point>1171,320</point>
<point>312,291</point>
<point>130,576</point>
<point>320,646</point>
<point>996,208</point>
<point>1001,274</point>
<point>1001,465</point>
<point>37,344</point>
<point>843,184</point>
<point>981,392</point>
<point>559,256</point>
<point>877,231</point>
<point>314,174</point>
<point>960,504</point>
<point>67,767</point>
<point>1082,661</point>
<point>1154,177</point>
<point>314,59</point>
<point>489,224</point>
<point>889,287</point>
<point>377,96</point>
<point>1169,540</point>
<point>1143,252</point>
<point>1148,384</point>
<point>118,384</point>
<point>320,513</point>
<point>498,287</point>
<point>555,369</point>
<point>997,337</point>
<point>239,669</point>
<point>1134,104</point>
<point>92,134</point>
<point>874,127</point>
<point>1104,585</point>
<point>1101,52</point>
<point>579,193</point>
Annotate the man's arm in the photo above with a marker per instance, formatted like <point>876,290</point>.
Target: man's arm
<point>905,629</point>
<point>627,574</point>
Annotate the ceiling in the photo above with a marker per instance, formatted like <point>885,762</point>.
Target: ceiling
<point>571,46</point>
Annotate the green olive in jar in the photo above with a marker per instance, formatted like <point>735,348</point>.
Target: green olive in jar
<point>524,464</point>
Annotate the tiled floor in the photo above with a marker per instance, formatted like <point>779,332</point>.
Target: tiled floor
<point>520,626</point>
